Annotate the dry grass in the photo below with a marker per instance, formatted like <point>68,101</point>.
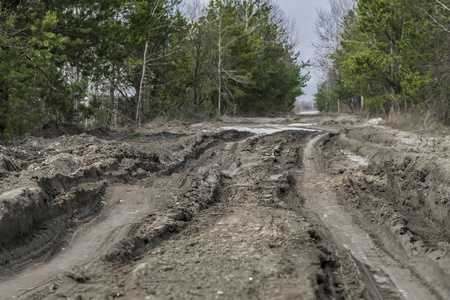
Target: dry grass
<point>421,123</point>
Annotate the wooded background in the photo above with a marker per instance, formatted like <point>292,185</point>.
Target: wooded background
<point>119,62</point>
<point>386,56</point>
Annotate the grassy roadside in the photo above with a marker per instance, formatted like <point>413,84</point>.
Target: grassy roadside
<point>418,123</point>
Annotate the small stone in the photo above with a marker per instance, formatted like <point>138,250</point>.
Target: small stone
<point>78,277</point>
<point>53,287</point>
<point>168,268</point>
<point>151,292</point>
<point>219,293</point>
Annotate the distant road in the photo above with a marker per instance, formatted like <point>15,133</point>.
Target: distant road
<point>308,113</point>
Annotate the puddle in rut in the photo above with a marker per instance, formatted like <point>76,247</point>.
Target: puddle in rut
<point>264,130</point>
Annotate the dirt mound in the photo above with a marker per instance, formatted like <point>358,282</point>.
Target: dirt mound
<point>101,132</point>
<point>8,164</point>
<point>55,129</point>
<point>63,179</point>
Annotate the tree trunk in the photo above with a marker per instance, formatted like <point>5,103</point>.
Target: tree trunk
<point>112,99</point>
<point>138,108</point>
<point>219,68</point>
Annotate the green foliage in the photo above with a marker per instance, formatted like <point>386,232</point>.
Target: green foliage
<point>258,69</point>
<point>388,57</point>
<point>321,99</point>
<point>83,61</point>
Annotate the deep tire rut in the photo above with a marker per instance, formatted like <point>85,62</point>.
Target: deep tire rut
<point>382,277</point>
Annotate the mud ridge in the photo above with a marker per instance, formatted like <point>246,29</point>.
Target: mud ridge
<point>34,219</point>
<point>202,144</point>
<point>229,181</point>
<point>404,195</point>
<point>32,227</point>
<point>330,279</point>
<point>156,229</point>
<point>343,275</point>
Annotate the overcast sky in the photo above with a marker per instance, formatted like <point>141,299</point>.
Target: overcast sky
<point>304,13</point>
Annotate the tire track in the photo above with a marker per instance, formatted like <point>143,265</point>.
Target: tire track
<point>383,277</point>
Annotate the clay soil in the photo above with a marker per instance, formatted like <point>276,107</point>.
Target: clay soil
<point>304,207</point>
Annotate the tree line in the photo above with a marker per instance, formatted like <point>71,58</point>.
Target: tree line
<point>385,56</point>
<point>118,62</point>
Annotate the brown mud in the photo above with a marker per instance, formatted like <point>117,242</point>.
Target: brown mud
<point>307,207</point>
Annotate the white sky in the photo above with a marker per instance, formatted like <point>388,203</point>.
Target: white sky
<point>304,13</point>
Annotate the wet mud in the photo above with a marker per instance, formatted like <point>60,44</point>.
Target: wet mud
<point>400,194</point>
<point>308,207</point>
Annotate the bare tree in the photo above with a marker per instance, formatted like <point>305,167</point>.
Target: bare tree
<point>223,33</point>
<point>329,26</point>
<point>141,84</point>
<point>192,9</point>
<point>288,26</point>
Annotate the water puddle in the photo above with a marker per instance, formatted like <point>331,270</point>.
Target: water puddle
<point>268,129</point>
<point>301,124</point>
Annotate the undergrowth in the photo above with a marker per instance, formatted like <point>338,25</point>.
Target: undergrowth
<point>420,123</point>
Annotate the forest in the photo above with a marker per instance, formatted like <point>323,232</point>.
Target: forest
<point>385,56</point>
<point>122,62</point>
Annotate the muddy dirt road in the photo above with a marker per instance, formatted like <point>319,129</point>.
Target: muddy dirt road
<point>309,207</point>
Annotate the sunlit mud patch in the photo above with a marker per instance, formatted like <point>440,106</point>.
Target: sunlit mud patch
<point>275,177</point>
<point>356,158</point>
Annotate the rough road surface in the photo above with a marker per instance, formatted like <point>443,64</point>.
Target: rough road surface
<point>307,207</point>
